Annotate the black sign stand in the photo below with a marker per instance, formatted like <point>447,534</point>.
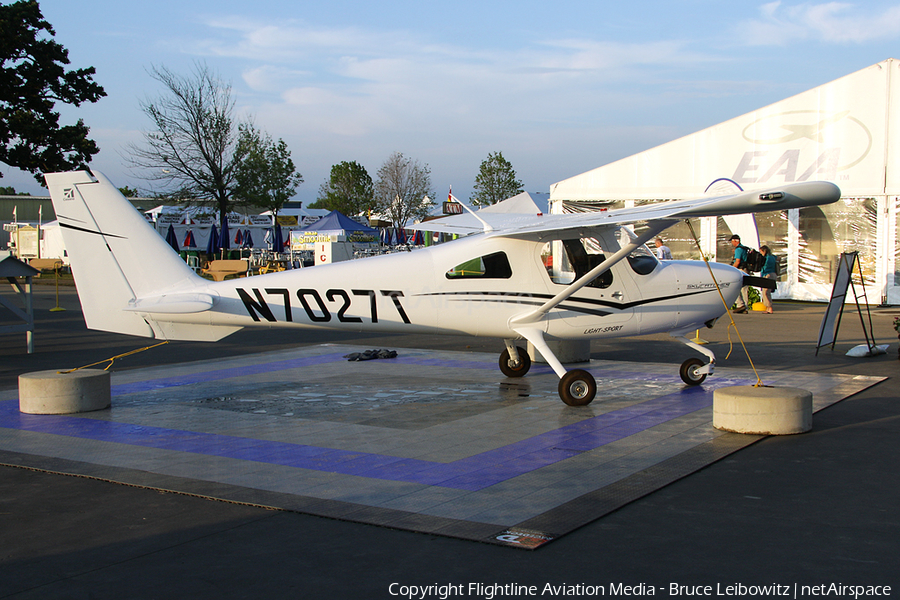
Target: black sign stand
<point>831,322</point>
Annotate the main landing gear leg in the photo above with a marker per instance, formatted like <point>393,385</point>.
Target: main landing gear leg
<point>576,387</point>
<point>693,371</point>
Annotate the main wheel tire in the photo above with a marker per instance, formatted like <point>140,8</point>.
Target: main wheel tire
<point>520,369</point>
<point>689,373</point>
<point>577,387</point>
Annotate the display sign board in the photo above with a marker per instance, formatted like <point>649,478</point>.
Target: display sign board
<point>843,280</point>
<point>307,240</point>
<point>453,208</point>
<point>27,242</point>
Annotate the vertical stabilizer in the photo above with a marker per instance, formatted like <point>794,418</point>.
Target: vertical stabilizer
<point>116,256</point>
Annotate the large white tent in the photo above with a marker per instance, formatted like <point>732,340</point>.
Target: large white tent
<point>843,131</point>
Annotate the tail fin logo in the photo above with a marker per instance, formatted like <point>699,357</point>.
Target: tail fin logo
<point>69,194</point>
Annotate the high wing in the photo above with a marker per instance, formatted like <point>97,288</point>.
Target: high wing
<point>792,195</point>
<point>657,217</point>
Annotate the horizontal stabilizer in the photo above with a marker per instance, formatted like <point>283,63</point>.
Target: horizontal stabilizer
<point>172,304</point>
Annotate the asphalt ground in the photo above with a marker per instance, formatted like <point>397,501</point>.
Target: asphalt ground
<point>817,509</point>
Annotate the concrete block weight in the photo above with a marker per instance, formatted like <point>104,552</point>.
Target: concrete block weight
<point>55,393</point>
<point>762,410</point>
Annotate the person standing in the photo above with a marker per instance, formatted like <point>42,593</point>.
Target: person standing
<point>739,261</point>
<point>769,271</point>
<point>662,251</point>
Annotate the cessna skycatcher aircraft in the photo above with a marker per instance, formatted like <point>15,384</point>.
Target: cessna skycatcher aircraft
<point>534,277</point>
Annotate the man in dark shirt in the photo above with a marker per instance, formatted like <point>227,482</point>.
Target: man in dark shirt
<point>739,261</point>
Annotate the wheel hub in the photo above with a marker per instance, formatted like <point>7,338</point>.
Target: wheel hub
<point>578,389</point>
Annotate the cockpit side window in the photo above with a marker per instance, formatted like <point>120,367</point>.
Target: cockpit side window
<point>568,260</point>
<point>490,266</point>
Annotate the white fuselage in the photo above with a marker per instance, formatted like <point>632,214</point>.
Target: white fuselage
<point>412,292</point>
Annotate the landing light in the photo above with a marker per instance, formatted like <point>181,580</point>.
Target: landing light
<point>772,196</point>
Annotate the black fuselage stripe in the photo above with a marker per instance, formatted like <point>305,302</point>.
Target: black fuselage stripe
<point>517,296</point>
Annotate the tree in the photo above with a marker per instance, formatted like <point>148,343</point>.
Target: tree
<point>129,192</point>
<point>266,176</point>
<point>8,190</point>
<point>403,189</point>
<point>349,190</point>
<point>33,79</point>
<point>496,181</point>
<point>193,150</point>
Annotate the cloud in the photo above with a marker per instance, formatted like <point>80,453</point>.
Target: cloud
<point>352,93</point>
<point>400,73</point>
<point>836,22</point>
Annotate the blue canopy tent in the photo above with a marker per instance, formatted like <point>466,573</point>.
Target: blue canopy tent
<point>336,221</point>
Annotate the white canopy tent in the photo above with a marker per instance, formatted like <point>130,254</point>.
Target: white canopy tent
<point>843,131</point>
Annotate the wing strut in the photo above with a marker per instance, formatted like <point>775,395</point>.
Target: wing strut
<point>654,228</point>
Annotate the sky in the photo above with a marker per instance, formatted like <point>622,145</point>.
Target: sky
<point>559,88</point>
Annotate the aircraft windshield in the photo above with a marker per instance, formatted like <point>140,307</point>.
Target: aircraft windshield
<point>642,260</point>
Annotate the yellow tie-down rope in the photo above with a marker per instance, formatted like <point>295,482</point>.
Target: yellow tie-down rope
<point>759,382</point>
<point>111,360</point>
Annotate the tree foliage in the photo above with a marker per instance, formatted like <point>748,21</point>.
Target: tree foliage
<point>403,189</point>
<point>266,176</point>
<point>349,190</point>
<point>33,78</point>
<point>8,190</point>
<point>193,149</point>
<point>496,181</point>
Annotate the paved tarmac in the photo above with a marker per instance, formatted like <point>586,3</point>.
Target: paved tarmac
<point>813,509</point>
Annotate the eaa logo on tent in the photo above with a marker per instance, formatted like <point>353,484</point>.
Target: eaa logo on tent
<point>839,140</point>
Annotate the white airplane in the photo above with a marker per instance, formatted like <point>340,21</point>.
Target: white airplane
<point>534,277</point>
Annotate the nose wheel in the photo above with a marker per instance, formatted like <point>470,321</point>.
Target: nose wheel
<point>691,371</point>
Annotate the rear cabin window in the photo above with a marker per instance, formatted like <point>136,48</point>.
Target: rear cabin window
<point>490,266</point>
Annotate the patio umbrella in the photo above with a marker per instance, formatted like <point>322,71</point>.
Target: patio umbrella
<point>189,241</point>
<point>171,238</point>
<point>278,243</point>
<point>239,238</point>
<point>248,239</point>
<point>225,242</point>
<point>213,244</point>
